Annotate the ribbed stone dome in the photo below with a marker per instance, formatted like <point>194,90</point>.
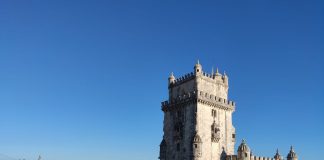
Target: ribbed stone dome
<point>197,139</point>
<point>243,147</point>
<point>277,156</point>
<point>291,153</point>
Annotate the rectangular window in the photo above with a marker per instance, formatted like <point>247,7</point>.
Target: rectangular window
<point>178,147</point>
<point>214,113</point>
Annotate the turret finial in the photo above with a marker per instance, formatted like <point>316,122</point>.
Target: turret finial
<point>198,68</point>
<point>217,72</point>
<point>277,155</point>
<point>212,72</point>
<point>171,78</point>
<point>291,155</point>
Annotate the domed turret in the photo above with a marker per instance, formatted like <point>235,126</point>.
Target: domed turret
<point>197,148</point>
<point>225,78</point>
<point>163,150</point>
<point>243,151</point>
<point>292,155</point>
<point>217,73</point>
<point>198,68</point>
<point>277,156</point>
<point>171,78</point>
<point>243,147</point>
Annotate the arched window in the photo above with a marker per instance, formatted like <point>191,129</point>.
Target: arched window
<point>214,113</point>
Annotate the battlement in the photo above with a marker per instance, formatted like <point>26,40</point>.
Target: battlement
<point>213,98</point>
<point>261,158</point>
<point>234,157</point>
<point>198,72</point>
<point>192,75</point>
<point>202,97</point>
<point>180,99</point>
<point>183,79</point>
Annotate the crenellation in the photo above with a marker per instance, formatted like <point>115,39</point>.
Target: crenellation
<point>183,79</point>
<point>261,158</point>
<point>202,97</point>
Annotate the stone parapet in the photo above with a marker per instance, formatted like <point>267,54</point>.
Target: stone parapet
<point>192,75</point>
<point>261,158</point>
<point>234,157</point>
<point>200,97</point>
<point>183,79</point>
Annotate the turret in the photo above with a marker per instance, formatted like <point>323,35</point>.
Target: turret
<point>163,150</point>
<point>243,151</point>
<point>197,148</point>
<point>171,78</point>
<point>277,156</point>
<point>292,155</point>
<point>225,78</point>
<point>198,68</point>
<point>217,75</point>
<point>223,154</point>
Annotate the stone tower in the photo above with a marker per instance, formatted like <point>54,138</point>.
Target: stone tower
<point>243,151</point>
<point>292,155</point>
<point>277,156</point>
<point>197,117</point>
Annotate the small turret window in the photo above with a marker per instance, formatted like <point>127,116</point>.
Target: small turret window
<point>197,148</point>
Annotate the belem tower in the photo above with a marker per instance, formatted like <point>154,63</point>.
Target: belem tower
<point>198,120</point>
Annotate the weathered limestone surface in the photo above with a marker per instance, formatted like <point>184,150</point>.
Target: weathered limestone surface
<point>196,102</point>
<point>198,120</point>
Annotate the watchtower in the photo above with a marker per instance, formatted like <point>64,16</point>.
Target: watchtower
<point>197,117</point>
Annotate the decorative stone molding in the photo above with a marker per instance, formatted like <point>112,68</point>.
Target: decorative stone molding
<point>215,132</point>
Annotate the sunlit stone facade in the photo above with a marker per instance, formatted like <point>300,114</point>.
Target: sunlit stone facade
<point>198,120</point>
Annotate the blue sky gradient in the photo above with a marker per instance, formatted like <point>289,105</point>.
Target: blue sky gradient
<point>84,79</point>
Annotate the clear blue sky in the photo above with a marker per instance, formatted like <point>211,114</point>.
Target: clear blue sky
<point>84,80</point>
